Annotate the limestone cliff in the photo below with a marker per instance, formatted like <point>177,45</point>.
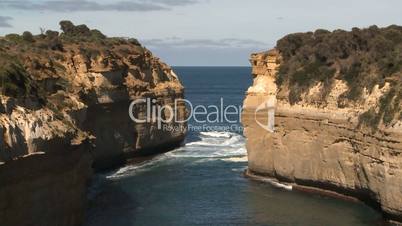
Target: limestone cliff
<point>320,139</point>
<point>65,110</point>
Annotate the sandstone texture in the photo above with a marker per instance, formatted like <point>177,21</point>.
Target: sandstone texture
<point>64,112</point>
<point>322,145</point>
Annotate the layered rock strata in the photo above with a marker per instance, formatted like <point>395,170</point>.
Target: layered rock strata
<point>322,146</point>
<point>64,112</point>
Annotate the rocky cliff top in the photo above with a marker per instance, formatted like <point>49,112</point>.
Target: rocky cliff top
<point>27,62</point>
<point>48,80</point>
<point>359,69</point>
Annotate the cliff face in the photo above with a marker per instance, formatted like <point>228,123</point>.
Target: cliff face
<point>320,141</point>
<point>65,109</point>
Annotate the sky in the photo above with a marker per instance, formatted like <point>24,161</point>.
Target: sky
<point>200,32</point>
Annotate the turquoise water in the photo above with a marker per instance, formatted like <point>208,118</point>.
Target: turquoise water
<point>202,183</point>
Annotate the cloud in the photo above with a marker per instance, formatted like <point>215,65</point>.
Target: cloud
<point>4,21</point>
<point>175,42</point>
<point>173,2</point>
<point>91,5</point>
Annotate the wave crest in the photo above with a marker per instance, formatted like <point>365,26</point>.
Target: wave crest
<point>212,145</point>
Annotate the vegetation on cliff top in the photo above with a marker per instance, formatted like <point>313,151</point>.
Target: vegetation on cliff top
<point>14,79</point>
<point>27,59</point>
<point>362,57</point>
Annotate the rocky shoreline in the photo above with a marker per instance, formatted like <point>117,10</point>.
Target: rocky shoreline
<point>319,189</point>
<point>296,187</point>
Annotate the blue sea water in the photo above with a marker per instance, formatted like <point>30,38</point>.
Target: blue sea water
<point>202,183</point>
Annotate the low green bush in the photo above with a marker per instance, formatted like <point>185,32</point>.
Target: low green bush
<point>369,118</point>
<point>363,57</point>
<point>79,33</point>
<point>27,36</point>
<point>14,80</point>
<point>16,38</point>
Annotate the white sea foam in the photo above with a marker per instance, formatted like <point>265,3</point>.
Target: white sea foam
<point>213,145</point>
<point>216,134</point>
<point>236,159</point>
<point>136,168</point>
<point>277,184</point>
<point>283,186</point>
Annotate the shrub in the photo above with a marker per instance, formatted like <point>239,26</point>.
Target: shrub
<point>16,38</point>
<point>67,27</point>
<point>27,36</point>
<point>82,30</point>
<point>370,119</point>
<point>55,44</point>
<point>134,41</point>
<point>14,79</point>
<point>51,34</point>
<point>96,34</point>
<point>390,105</point>
<point>70,30</point>
<point>89,52</point>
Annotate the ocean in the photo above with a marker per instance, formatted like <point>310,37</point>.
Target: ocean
<point>202,183</point>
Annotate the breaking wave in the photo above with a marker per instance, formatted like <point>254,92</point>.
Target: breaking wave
<point>216,134</point>
<point>136,168</point>
<point>211,145</point>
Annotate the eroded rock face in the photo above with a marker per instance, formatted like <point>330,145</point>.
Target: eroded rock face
<point>322,145</point>
<point>46,189</point>
<point>69,114</point>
